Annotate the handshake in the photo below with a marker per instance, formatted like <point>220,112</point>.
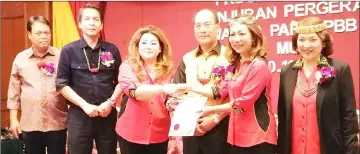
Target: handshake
<point>176,90</point>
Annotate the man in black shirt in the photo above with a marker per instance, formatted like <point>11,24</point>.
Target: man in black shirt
<point>87,77</point>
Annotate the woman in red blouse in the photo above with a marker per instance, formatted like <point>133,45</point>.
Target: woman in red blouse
<point>316,107</point>
<point>144,77</point>
<point>252,126</point>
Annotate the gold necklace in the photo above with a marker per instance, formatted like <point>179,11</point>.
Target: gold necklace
<point>93,70</point>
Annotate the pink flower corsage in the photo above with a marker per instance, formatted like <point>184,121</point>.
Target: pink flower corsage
<point>48,69</point>
<point>107,58</point>
<point>325,74</point>
<point>220,72</point>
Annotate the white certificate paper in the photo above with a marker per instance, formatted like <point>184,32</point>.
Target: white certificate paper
<point>183,123</point>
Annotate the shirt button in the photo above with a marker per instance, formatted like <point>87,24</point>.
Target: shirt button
<point>303,117</point>
<point>303,129</point>
<point>303,140</point>
<point>151,113</point>
<point>303,105</point>
<point>149,123</point>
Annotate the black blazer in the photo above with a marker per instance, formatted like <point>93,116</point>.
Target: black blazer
<point>335,109</point>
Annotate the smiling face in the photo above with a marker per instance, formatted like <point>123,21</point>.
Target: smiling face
<point>309,46</point>
<point>240,38</point>
<point>149,47</point>
<point>205,27</point>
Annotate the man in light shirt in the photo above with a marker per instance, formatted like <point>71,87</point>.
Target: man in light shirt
<point>196,67</point>
<point>32,88</point>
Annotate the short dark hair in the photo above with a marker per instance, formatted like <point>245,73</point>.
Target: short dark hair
<point>33,19</point>
<point>324,35</point>
<point>216,18</point>
<point>90,6</point>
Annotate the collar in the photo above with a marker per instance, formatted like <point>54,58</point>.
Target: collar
<point>84,44</point>
<point>322,62</point>
<point>49,51</point>
<point>217,50</point>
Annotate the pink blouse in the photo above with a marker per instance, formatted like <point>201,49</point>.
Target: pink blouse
<point>305,133</point>
<point>143,122</point>
<point>245,89</point>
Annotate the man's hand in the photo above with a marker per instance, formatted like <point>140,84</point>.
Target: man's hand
<point>199,131</point>
<point>104,109</point>
<point>206,110</point>
<point>15,127</point>
<point>90,110</point>
<point>206,123</point>
<point>171,104</point>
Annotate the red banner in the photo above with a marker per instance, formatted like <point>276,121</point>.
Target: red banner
<point>175,18</point>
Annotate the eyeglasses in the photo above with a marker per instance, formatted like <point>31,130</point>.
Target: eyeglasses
<point>206,25</point>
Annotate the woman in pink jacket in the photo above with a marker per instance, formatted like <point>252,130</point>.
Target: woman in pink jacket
<point>252,126</point>
<point>144,77</point>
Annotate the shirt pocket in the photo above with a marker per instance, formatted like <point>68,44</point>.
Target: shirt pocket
<point>110,67</point>
<point>81,70</point>
<point>79,66</point>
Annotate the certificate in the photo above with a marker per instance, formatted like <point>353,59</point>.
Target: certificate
<point>186,114</point>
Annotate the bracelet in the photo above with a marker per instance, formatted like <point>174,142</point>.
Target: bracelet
<point>215,92</point>
<point>237,110</point>
<point>132,93</point>
<point>167,104</point>
<point>110,101</point>
<point>215,119</point>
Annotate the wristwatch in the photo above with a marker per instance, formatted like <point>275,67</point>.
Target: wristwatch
<point>215,118</point>
<point>110,101</point>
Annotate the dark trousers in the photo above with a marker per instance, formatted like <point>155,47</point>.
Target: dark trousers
<point>36,142</point>
<point>213,142</point>
<point>82,130</point>
<point>127,147</point>
<point>263,148</point>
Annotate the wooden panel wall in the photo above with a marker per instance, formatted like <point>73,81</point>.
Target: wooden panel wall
<point>14,39</point>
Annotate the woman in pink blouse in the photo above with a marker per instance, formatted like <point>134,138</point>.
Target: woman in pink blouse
<point>316,107</point>
<point>252,126</point>
<point>144,77</point>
